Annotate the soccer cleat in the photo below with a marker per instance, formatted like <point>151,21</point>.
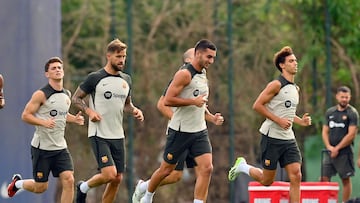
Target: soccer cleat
<point>233,171</point>
<point>137,193</point>
<point>80,196</point>
<point>12,189</point>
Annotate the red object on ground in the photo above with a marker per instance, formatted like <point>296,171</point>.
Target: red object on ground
<point>278,192</point>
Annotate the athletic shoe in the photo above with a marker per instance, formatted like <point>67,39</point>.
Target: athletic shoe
<point>12,189</point>
<point>80,196</point>
<point>137,193</point>
<point>233,171</point>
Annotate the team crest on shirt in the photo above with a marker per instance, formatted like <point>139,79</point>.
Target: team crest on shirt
<point>169,156</point>
<point>39,175</point>
<point>68,101</point>
<point>344,117</point>
<point>104,159</point>
<point>267,162</point>
<point>124,85</point>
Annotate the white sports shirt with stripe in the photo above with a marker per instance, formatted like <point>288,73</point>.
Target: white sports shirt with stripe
<point>108,94</point>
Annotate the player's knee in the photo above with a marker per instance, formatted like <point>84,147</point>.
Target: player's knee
<point>68,180</point>
<point>117,179</point>
<point>108,177</point>
<point>109,174</point>
<point>165,170</point>
<point>296,176</point>
<point>207,170</point>
<point>299,176</point>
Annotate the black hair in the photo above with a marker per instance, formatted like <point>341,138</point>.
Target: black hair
<point>205,44</point>
<point>343,89</point>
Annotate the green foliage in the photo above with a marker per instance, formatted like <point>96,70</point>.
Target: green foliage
<point>343,76</point>
<point>314,145</point>
<point>345,19</point>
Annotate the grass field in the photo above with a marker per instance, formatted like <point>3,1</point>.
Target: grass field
<point>313,146</point>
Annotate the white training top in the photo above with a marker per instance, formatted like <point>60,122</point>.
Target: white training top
<point>282,105</point>
<point>56,106</point>
<point>108,94</point>
<point>191,118</point>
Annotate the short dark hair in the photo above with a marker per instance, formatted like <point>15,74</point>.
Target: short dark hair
<point>52,60</point>
<point>343,89</point>
<point>204,44</point>
<point>279,57</point>
<point>115,46</point>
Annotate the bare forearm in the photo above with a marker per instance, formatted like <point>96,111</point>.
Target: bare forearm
<point>349,138</point>
<point>2,102</point>
<point>209,116</point>
<point>164,110</point>
<point>78,100</point>
<point>32,120</point>
<point>299,121</point>
<point>177,102</point>
<point>167,112</point>
<point>346,141</point>
<point>80,103</point>
<point>261,109</point>
<point>129,108</point>
<point>325,136</point>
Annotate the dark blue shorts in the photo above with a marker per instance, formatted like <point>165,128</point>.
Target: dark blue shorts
<point>109,152</point>
<point>178,143</point>
<point>275,150</point>
<point>44,161</point>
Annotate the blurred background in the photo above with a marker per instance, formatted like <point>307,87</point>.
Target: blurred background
<point>323,34</point>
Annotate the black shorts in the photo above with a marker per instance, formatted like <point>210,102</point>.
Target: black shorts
<point>177,143</point>
<point>44,161</point>
<point>109,152</point>
<point>343,164</point>
<point>275,150</point>
<point>185,157</point>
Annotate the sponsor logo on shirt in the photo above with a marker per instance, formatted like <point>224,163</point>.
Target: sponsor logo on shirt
<point>55,112</point>
<point>287,103</point>
<point>333,124</point>
<point>109,95</point>
<point>196,93</point>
